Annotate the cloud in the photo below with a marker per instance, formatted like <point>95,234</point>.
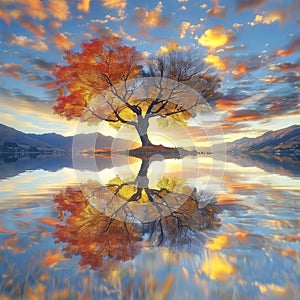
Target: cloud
<point>126,35</point>
<point>281,105</point>
<point>59,9</point>
<point>23,41</point>
<point>289,49</point>
<point>237,25</point>
<point>111,4</point>
<point>249,4</point>
<point>216,37</point>
<point>38,112</point>
<point>34,8</point>
<point>217,12</point>
<point>37,29</point>
<point>55,24</point>
<point>12,69</point>
<point>240,69</point>
<point>171,46</point>
<point>222,64</point>
<point>183,28</point>
<point>231,48</point>
<point>84,5</point>
<point>248,64</point>
<point>103,30</point>
<point>243,115</point>
<point>115,19</point>
<point>187,26</point>
<point>62,42</point>
<point>227,103</point>
<point>4,15</point>
<point>275,15</point>
<point>285,66</point>
<point>43,65</point>
<point>152,18</point>
<point>120,5</point>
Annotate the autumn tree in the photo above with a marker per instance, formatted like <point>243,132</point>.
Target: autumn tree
<point>98,239</point>
<point>108,81</point>
<point>118,231</point>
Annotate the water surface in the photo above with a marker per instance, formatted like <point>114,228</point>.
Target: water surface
<point>243,245</point>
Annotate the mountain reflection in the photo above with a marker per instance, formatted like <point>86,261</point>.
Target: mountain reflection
<point>105,224</point>
<point>282,165</point>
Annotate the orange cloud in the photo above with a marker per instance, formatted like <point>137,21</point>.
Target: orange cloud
<point>12,69</point>
<point>216,37</point>
<point>290,49</point>
<point>126,35</point>
<point>243,115</point>
<point>227,104</point>
<point>217,11</point>
<point>55,24</point>
<point>34,8</point>
<point>37,29</point>
<point>253,4</point>
<point>187,26</point>
<point>240,69</point>
<point>152,18</point>
<point>62,42</point>
<point>103,30</point>
<point>26,42</point>
<point>275,15</point>
<point>171,46</point>
<point>115,4</point>
<point>84,5</point>
<point>59,9</point>
<point>4,16</point>
<point>219,63</point>
<point>285,67</point>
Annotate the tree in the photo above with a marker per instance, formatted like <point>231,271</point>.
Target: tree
<point>113,227</point>
<point>106,82</point>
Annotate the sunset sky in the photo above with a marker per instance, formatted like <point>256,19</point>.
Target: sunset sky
<point>254,45</point>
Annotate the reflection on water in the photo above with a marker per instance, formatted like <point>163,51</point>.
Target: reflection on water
<point>55,244</point>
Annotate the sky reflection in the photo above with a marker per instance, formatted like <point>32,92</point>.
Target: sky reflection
<point>253,252</point>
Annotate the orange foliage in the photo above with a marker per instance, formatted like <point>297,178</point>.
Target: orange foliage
<point>101,63</point>
<point>98,239</point>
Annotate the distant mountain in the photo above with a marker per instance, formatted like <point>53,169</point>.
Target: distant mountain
<point>285,140</point>
<point>10,136</point>
<point>82,141</point>
<point>53,139</point>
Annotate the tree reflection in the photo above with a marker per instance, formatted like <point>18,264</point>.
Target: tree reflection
<point>103,224</point>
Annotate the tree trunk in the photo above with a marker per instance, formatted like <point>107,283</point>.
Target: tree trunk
<point>142,129</point>
<point>142,177</point>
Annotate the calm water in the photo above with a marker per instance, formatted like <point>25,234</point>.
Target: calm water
<point>243,242</point>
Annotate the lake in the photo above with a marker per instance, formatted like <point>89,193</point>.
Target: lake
<point>196,228</point>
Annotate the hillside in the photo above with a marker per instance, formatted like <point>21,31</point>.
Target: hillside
<point>11,135</point>
<point>59,142</point>
<point>279,141</point>
<point>83,141</point>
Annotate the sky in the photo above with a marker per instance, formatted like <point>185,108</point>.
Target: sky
<point>253,44</point>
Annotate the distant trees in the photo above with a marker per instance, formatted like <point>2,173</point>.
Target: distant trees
<point>109,81</point>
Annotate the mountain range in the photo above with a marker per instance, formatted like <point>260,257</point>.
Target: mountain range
<point>59,142</point>
<point>286,140</point>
